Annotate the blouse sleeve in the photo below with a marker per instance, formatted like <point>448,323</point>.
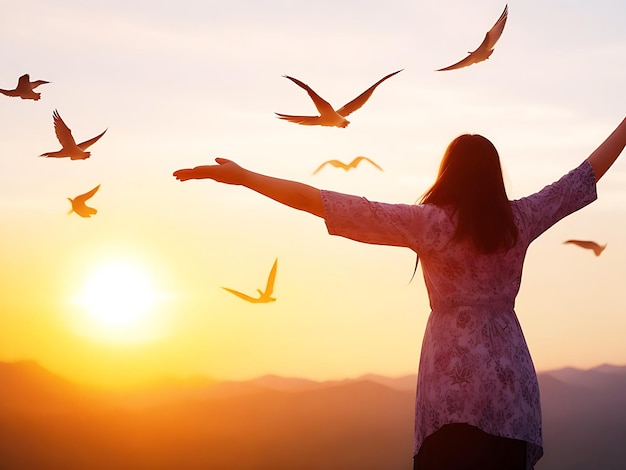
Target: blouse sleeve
<point>371,222</point>
<point>572,192</point>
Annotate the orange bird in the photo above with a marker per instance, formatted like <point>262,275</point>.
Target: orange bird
<point>486,47</point>
<point>349,166</point>
<point>589,245</point>
<point>69,148</point>
<point>79,206</point>
<point>328,116</point>
<point>25,88</point>
<point>264,297</point>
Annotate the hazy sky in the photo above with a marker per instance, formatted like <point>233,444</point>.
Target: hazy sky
<point>179,83</point>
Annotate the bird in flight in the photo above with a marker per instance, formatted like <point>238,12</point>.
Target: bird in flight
<point>25,88</point>
<point>328,116</point>
<point>69,148</point>
<point>79,206</point>
<point>486,47</point>
<point>264,297</point>
<point>349,166</point>
<point>590,245</point>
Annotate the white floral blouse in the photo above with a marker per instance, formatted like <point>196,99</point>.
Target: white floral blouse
<point>475,366</point>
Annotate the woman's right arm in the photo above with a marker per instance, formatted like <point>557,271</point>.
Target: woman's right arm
<point>603,157</point>
<point>290,193</point>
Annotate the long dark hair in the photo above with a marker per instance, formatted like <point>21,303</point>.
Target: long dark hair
<point>470,180</point>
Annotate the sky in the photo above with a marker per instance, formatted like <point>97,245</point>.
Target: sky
<point>177,84</point>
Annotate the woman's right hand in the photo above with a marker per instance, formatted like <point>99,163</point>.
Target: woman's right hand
<point>226,171</point>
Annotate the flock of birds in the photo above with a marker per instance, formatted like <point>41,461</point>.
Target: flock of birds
<point>25,90</point>
<point>328,116</point>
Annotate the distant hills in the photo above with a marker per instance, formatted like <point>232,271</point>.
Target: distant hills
<point>584,418</point>
<point>49,423</point>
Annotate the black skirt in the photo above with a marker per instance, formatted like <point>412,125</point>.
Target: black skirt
<point>464,447</point>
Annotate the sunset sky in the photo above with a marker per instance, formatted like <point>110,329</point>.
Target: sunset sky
<point>179,83</point>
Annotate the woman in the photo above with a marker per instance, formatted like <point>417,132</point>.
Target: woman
<point>477,400</point>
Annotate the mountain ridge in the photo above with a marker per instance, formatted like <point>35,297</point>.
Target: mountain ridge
<point>275,422</point>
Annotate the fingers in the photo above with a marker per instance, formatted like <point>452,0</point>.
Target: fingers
<point>205,171</point>
<point>198,172</point>
<point>183,174</point>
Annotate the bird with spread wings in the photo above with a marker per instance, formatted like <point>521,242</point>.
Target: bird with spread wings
<point>264,297</point>
<point>25,88</point>
<point>348,166</point>
<point>328,115</point>
<point>589,245</point>
<point>486,47</point>
<point>69,148</point>
<point>79,206</point>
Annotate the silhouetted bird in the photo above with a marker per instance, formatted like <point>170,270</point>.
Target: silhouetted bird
<point>264,297</point>
<point>25,88</point>
<point>79,206</point>
<point>486,47</point>
<point>68,144</point>
<point>349,166</point>
<point>589,245</point>
<point>328,116</point>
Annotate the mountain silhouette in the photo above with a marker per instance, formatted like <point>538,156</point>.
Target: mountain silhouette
<point>584,418</point>
<point>273,422</point>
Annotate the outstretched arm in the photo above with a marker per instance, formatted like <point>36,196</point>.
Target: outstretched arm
<point>291,193</point>
<point>603,157</point>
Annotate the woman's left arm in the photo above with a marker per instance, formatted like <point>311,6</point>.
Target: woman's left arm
<point>605,155</point>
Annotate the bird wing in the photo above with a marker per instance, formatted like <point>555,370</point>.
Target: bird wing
<point>23,83</point>
<point>36,83</point>
<point>335,163</point>
<point>321,104</point>
<point>581,243</point>
<point>304,120</point>
<point>84,211</point>
<point>241,295</point>
<point>495,32</point>
<point>469,60</point>
<point>321,166</point>
<point>88,143</point>
<point>13,93</point>
<point>269,288</point>
<point>360,100</point>
<point>588,244</point>
<point>483,51</point>
<point>359,159</point>
<point>64,134</point>
<point>87,195</point>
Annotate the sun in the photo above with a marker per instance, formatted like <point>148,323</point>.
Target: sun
<point>119,301</point>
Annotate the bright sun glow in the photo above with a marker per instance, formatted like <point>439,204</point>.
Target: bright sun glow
<point>119,299</point>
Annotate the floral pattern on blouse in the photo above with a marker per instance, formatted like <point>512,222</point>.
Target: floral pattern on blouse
<point>475,366</point>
